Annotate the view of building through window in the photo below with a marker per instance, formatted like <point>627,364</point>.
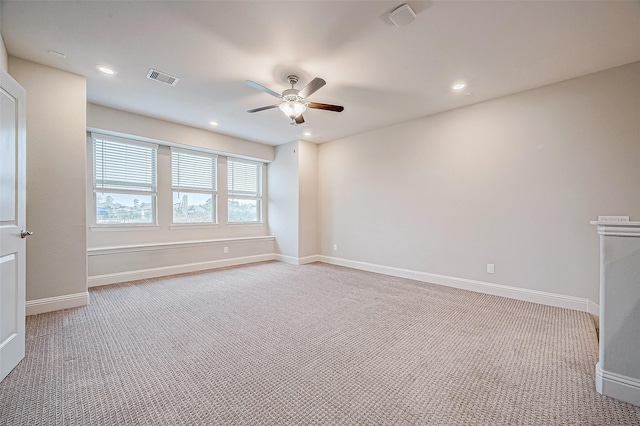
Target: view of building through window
<point>192,208</point>
<point>194,184</point>
<point>124,180</point>
<point>244,186</point>
<point>243,210</point>
<point>114,208</point>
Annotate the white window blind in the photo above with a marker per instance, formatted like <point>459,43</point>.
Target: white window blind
<point>193,171</point>
<point>244,178</point>
<point>120,164</point>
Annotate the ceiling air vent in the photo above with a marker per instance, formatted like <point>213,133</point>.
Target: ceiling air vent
<point>162,77</point>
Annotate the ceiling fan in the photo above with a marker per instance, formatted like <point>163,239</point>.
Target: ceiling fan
<point>294,101</point>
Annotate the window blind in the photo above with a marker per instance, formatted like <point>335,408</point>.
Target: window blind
<point>244,178</point>
<point>193,171</point>
<point>119,164</point>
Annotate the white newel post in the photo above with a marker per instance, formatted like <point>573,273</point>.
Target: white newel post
<point>618,369</point>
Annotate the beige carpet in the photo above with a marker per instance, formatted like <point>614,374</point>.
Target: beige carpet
<point>275,344</point>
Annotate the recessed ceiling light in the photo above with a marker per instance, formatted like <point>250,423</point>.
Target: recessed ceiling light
<point>458,86</point>
<point>105,69</point>
<point>307,133</point>
<point>213,123</point>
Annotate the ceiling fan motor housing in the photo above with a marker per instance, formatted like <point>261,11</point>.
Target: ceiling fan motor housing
<point>292,95</point>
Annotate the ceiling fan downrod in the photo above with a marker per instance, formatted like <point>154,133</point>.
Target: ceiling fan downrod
<point>293,79</point>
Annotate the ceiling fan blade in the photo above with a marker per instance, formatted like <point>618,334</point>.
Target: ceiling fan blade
<point>314,85</point>
<point>262,108</point>
<point>262,88</point>
<point>327,107</point>
<point>299,119</point>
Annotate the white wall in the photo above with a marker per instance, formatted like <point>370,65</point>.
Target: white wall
<point>3,50</point>
<point>3,56</point>
<point>56,179</point>
<point>283,183</point>
<point>125,123</point>
<point>293,201</point>
<point>513,182</point>
<point>308,199</point>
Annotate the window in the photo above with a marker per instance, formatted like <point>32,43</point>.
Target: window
<point>162,186</point>
<point>193,182</point>
<point>244,179</point>
<point>124,181</point>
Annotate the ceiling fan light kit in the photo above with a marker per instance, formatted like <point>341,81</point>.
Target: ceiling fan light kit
<point>294,102</point>
<point>292,109</point>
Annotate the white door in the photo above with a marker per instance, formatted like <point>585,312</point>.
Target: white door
<point>12,222</point>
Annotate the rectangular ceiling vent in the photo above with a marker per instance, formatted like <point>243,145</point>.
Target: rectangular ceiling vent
<point>162,77</point>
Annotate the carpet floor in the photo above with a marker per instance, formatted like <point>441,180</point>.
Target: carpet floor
<point>276,344</point>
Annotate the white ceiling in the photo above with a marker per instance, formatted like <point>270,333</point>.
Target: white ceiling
<point>381,74</point>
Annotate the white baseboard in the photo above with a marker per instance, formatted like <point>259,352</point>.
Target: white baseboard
<point>296,260</point>
<point>49,304</point>
<point>119,277</point>
<point>545,298</point>
<point>535,296</point>
<point>618,386</point>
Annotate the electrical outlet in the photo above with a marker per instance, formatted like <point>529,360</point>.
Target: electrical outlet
<point>491,268</point>
<point>226,250</point>
<point>335,247</point>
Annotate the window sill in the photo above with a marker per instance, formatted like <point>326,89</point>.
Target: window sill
<point>183,226</point>
<point>120,228</point>
<point>245,224</point>
<point>99,251</point>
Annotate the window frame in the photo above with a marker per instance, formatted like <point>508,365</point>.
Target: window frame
<point>259,198</point>
<point>213,191</point>
<point>153,192</point>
